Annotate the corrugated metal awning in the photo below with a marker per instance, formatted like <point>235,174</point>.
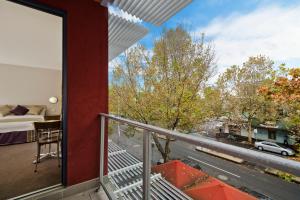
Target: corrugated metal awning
<point>153,11</point>
<point>122,34</point>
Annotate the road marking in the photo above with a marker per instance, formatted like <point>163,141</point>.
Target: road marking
<point>190,157</point>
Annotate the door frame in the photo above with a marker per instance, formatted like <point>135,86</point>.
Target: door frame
<point>63,14</point>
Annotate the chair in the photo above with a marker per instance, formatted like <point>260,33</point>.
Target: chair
<point>47,132</point>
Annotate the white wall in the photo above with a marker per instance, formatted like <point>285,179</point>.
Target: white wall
<point>244,132</point>
<point>29,37</point>
<point>27,85</point>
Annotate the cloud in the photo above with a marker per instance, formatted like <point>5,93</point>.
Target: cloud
<point>271,30</point>
<point>111,66</point>
<point>125,15</point>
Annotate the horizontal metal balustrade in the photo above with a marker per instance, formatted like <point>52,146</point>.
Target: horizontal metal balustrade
<point>130,178</point>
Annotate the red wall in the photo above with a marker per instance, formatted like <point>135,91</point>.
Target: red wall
<point>87,84</point>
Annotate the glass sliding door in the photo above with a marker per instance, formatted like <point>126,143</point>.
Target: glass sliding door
<point>31,98</point>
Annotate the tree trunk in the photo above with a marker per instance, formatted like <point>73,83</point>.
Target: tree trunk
<point>167,150</point>
<point>163,151</point>
<point>165,157</point>
<point>250,131</point>
<point>158,145</point>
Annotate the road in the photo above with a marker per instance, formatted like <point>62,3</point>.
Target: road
<point>239,176</point>
<point>252,148</point>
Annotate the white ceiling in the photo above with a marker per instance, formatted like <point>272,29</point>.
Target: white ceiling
<point>29,37</point>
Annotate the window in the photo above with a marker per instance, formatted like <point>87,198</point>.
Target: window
<point>272,135</point>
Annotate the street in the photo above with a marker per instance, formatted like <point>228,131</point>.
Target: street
<point>245,177</point>
<point>239,175</point>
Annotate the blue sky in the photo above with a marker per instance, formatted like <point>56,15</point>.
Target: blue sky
<point>198,14</point>
<point>241,28</point>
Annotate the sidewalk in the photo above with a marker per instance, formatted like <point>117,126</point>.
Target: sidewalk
<point>221,155</point>
<point>284,175</point>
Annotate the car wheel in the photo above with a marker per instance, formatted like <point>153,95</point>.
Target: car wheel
<point>260,148</point>
<point>284,153</point>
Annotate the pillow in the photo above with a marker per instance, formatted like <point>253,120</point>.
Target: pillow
<point>19,110</point>
<point>34,110</point>
<point>43,111</point>
<point>4,110</point>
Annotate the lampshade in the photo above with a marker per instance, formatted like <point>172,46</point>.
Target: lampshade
<point>53,100</point>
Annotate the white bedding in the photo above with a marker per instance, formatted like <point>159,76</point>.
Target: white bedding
<point>23,118</point>
<point>16,126</point>
<point>11,123</point>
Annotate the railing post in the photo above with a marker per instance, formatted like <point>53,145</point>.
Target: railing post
<point>146,165</point>
<point>102,134</point>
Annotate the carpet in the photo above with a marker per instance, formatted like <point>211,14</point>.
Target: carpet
<point>17,174</point>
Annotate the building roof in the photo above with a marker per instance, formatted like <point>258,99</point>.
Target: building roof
<point>197,184</point>
<point>124,180</point>
<point>216,190</point>
<point>272,127</point>
<point>179,174</point>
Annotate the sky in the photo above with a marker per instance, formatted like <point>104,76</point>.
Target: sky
<point>239,28</point>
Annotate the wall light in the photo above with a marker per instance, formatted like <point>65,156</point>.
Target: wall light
<point>53,100</point>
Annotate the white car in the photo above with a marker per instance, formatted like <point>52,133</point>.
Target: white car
<point>273,147</point>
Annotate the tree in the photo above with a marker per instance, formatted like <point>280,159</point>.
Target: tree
<point>284,91</point>
<point>239,87</point>
<point>164,88</point>
<point>211,103</point>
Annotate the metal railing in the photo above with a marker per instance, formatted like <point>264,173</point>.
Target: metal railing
<point>246,154</point>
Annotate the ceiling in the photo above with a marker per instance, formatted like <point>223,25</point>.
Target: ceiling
<point>29,37</point>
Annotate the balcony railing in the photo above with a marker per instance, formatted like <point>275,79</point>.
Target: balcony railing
<point>247,154</point>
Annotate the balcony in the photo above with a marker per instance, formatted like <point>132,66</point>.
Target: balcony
<point>133,172</point>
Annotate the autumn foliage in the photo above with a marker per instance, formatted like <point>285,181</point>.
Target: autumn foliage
<point>284,91</point>
<point>285,88</point>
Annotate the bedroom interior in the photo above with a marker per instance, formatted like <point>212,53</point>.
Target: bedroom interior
<point>30,98</point>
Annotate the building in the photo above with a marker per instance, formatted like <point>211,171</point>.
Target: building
<point>90,38</point>
<point>270,133</point>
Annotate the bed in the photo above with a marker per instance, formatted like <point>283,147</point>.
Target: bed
<point>15,129</point>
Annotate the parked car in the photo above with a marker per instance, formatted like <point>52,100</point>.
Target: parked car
<point>273,147</point>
